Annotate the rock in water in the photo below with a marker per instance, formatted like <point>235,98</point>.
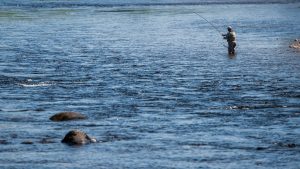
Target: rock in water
<point>76,137</point>
<point>65,116</point>
<point>295,44</point>
<point>3,142</point>
<point>27,142</point>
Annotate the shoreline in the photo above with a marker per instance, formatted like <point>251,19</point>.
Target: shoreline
<point>65,4</point>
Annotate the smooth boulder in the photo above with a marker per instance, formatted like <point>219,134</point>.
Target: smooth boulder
<point>65,116</point>
<point>77,137</point>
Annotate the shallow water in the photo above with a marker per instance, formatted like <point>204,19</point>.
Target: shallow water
<point>156,84</point>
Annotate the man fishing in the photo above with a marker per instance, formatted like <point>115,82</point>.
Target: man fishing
<point>230,36</point>
<point>231,39</point>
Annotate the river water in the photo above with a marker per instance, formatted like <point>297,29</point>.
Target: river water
<point>154,80</point>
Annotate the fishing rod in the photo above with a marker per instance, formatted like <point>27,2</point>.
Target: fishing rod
<point>212,26</point>
<point>209,23</point>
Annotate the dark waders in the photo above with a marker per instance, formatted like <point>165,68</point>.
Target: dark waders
<point>231,46</point>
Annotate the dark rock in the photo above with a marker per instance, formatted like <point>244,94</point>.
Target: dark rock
<point>292,145</point>
<point>76,137</point>
<point>289,145</point>
<point>261,148</point>
<point>3,142</point>
<point>65,116</point>
<point>27,142</point>
<point>39,109</point>
<point>258,163</point>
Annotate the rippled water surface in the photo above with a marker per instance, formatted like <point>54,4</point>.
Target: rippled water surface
<point>156,84</point>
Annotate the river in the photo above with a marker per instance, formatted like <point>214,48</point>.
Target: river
<point>154,80</point>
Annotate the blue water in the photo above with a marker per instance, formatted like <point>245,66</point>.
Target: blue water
<point>156,84</point>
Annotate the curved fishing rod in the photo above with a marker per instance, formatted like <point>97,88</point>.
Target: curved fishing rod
<point>211,25</point>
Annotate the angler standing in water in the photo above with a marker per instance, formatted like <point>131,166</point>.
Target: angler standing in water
<point>231,39</point>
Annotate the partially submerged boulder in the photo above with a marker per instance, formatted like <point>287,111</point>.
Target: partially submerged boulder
<point>295,44</point>
<point>77,137</point>
<point>65,116</point>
